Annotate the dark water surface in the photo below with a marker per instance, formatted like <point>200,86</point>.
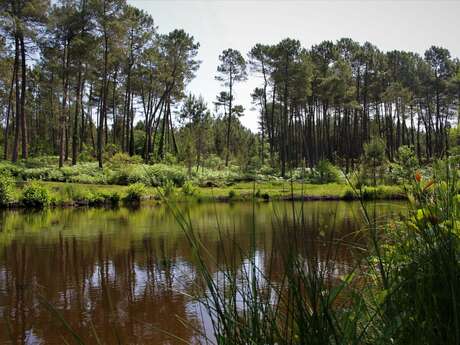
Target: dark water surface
<point>127,274</point>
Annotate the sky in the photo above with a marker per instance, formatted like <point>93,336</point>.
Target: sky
<point>238,24</point>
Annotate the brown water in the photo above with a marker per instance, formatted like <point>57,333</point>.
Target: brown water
<point>127,275</point>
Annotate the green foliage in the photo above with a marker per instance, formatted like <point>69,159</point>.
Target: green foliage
<point>349,194</point>
<point>422,263</point>
<point>122,158</point>
<point>231,194</point>
<point>188,189</point>
<point>168,188</point>
<point>324,172</point>
<point>128,174</point>
<point>87,154</point>
<point>6,189</point>
<point>160,174</point>
<point>169,159</point>
<point>35,195</point>
<point>406,165</point>
<point>373,161</point>
<point>9,168</point>
<point>135,192</point>
<point>214,162</point>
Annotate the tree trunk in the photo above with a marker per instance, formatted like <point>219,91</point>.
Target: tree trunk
<point>229,123</point>
<point>8,112</point>
<point>24,140</point>
<point>17,126</point>
<point>77,113</point>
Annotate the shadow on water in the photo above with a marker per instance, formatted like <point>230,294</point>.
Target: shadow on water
<point>126,275</point>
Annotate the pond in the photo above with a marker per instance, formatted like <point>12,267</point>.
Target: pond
<point>126,275</point>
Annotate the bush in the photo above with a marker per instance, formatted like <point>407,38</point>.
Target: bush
<point>373,160</point>
<point>35,195</point>
<point>121,159</point>
<point>406,165</point>
<point>324,172</point>
<point>159,174</point>
<point>114,198</point>
<point>231,194</point>
<point>213,162</point>
<point>41,162</point>
<point>9,168</point>
<point>6,189</point>
<point>87,154</point>
<point>135,192</point>
<point>170,159</point>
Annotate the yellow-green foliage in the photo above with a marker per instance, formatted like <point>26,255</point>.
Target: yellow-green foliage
<point>35,195</point>
<point>135,192</point>
<point>6,189</point>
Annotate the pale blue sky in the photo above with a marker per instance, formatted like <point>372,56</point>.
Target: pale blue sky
<point>238,24</point>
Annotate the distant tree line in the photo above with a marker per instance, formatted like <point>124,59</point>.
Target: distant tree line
<point>96,76</point>
<point>328,101</point>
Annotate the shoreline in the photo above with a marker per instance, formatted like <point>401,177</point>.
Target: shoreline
<point>73,195</point>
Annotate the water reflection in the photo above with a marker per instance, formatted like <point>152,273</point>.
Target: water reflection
<point>124,275</point>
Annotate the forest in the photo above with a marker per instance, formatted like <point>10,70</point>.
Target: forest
<point>84,80</point>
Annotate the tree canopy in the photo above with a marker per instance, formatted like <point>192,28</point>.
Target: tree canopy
<point>91,77</point>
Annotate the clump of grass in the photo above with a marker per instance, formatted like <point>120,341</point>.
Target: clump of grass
<point>135,192</point>
<point>35,195</point>
<point>168,188</point>
<point>188,189</point>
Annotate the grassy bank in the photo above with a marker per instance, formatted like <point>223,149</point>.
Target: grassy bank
<point>66,194</point>
<point>126,179</point>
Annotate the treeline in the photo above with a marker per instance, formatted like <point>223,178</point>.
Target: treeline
<point>326,102</point>
<point>84,78</point>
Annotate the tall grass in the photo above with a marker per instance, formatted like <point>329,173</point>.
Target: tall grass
<point>405,289</point>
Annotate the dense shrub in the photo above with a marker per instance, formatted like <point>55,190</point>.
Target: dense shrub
<point>128,174</point>
<point>42,161</point>
<point>406,165</point>
<point>135,192</point>
<point>88,179</point>
<point>213,162</point>
<point>324,172</point>
<point>9,168</point>
<point>6,189</point>
<point>121,159</point>
<point>36,174</point>
<point>159,174</point>
<point>87,154</point>
<point>373,162</point>
<point>35,195</point>
<point>212,178</point>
